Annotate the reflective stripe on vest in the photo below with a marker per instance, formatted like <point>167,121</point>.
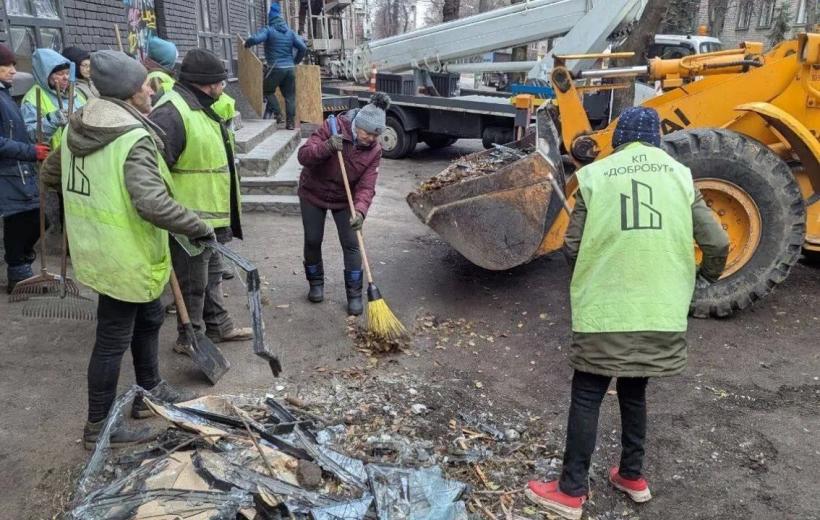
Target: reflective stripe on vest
<point>636,264</point>
<point>46,107</point>
<point>202,179</point>
<point>166,81</point>
<point>113,250</point>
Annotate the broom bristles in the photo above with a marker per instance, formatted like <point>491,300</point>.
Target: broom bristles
<point>382,322</point>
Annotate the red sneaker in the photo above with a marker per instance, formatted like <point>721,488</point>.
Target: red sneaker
<point>638,490</point>
<point>548,496</point>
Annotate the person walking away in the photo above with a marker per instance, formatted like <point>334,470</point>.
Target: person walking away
<point>51,73</point>
<point>118,213</point>
<point>19,194</point>
<point>280,42</point>
<point>321,189</point>
<point>160,62</point>
<point>201,160</point>
<point>81,59</point>
<point>631,232</point>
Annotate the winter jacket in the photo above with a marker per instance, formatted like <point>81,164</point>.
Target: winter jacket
<point>279,42</point>
<point>18,177</point>
<point>99,123</point>
<point>321,180</point>
<point>43,61</point>
<point>644,353</point>
<point>174,137</point>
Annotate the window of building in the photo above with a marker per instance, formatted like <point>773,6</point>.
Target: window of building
<point>255,8</point>
<point>766,14</point>
<point>800,19</point>
<point>33,24</point>
<point>213,32</point>
<point>744,15</point>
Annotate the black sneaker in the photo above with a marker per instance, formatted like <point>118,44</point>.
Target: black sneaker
<point>122,435</point>
<point>162,392</point>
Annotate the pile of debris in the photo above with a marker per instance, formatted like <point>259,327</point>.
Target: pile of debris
<point>475,165</point>
<point>224,458</point>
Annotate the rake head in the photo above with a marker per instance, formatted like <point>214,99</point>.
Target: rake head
<point>42,285</point>
<point>53,307</point>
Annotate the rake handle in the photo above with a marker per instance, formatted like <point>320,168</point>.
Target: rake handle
<point>40,186</point>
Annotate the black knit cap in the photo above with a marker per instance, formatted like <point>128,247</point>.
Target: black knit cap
<point>202,67</point>
<point>6,56</point>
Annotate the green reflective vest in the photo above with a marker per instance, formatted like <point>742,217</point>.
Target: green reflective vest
<point>163,79</point>
<point>202,178</point>
<point>114,250</point>
<point>225,108</point>
<point>636,264</point>
<point>47,106</point>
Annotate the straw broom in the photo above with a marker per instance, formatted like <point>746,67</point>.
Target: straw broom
<point>381,321</point>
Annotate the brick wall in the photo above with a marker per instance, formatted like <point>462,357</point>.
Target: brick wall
<point>731,36</point>
<point>90,23</point>
<point>177,21</point>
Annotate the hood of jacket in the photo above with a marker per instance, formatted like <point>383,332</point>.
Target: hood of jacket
<point>101,121</point>
<point>278,23</point>
<point>43,61</point>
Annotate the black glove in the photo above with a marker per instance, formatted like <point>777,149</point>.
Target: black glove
<point>357,221</point>
<point>57,118</point>
<point>335,143</point>
<point>205,239</point>
<point>248,44</point>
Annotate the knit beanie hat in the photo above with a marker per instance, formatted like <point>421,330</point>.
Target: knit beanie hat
<point>202,67</point>
<point>116,74</point>
<point>637,124</point>
<point>7,56</point>
<point>163,52</point>
<point>275,10</point>
<point>370,117</point>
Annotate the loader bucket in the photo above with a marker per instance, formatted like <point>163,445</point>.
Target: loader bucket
<point>496,218</point>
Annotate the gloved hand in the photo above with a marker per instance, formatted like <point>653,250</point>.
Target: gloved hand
<point>57,118</point>
<point>248,44</point>
<point>42,151</point>
<point>701,282</point>
<point>204,239</point>
<point>335,143</point>
<point>357,221</point>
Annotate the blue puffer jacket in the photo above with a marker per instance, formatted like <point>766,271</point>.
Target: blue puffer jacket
<point>18,177</point>
<point>280,41</point>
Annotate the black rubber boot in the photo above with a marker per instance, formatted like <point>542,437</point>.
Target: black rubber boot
<point>315,275</point>
<point>162,392</point>
<point>353,286</point>
<point>121,435</point>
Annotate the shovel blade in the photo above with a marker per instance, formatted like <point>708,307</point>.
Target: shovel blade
<point>207,356</point>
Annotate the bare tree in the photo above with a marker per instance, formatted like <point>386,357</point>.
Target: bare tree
<point>392,17</point>
<point>449,10</point>
<point>716,14</point>
<point>811,15</point>
<point>781,24</point>
<point>681,16</point>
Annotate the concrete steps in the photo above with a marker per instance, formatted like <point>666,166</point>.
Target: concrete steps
<point>275,193</point>
<point>253,132</point>
<point>269,154</point>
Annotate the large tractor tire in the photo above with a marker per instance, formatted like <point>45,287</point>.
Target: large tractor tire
<point>758,202</point>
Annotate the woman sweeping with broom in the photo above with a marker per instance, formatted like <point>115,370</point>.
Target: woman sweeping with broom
<point>341,165</point>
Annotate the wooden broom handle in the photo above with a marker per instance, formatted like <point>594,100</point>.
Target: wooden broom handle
<point>353,212</point>
<point>180,303</point>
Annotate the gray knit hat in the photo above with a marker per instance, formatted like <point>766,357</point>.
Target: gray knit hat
<point>370,117</point>
<point>116,74</point>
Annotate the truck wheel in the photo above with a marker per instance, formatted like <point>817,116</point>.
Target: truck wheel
<point>438,140</point>
<point>754,195</point>
<point>396,142</point>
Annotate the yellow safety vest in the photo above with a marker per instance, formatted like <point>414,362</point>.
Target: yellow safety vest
<point>47,106</point>
<point>114,250</point>
<point>166,81</point>
<point>202,178</point>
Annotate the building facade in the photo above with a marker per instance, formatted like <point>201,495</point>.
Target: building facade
<point>211,24</point>
<point>752,20</point>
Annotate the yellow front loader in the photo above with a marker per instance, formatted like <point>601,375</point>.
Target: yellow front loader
<point>745,122</point>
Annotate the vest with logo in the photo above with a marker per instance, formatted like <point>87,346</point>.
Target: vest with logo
<point>114,250</point>
<point>636,264</point>
<point>202,178</point>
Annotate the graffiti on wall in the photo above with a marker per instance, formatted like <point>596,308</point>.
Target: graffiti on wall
<point>142,24</point>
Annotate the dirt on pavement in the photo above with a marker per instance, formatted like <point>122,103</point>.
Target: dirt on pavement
<point>734,437</point>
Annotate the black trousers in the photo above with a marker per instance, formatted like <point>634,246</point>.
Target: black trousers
<point>588,391</point>
<point>121,325</point>
<point>20,232</point>
<point>285,80</point>
<point>313,222</point>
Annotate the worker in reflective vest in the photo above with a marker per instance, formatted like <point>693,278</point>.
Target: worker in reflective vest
<point>631,231</point>
<point>201,160</point>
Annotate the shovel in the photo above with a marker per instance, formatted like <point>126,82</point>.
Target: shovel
<point>205,354</point>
